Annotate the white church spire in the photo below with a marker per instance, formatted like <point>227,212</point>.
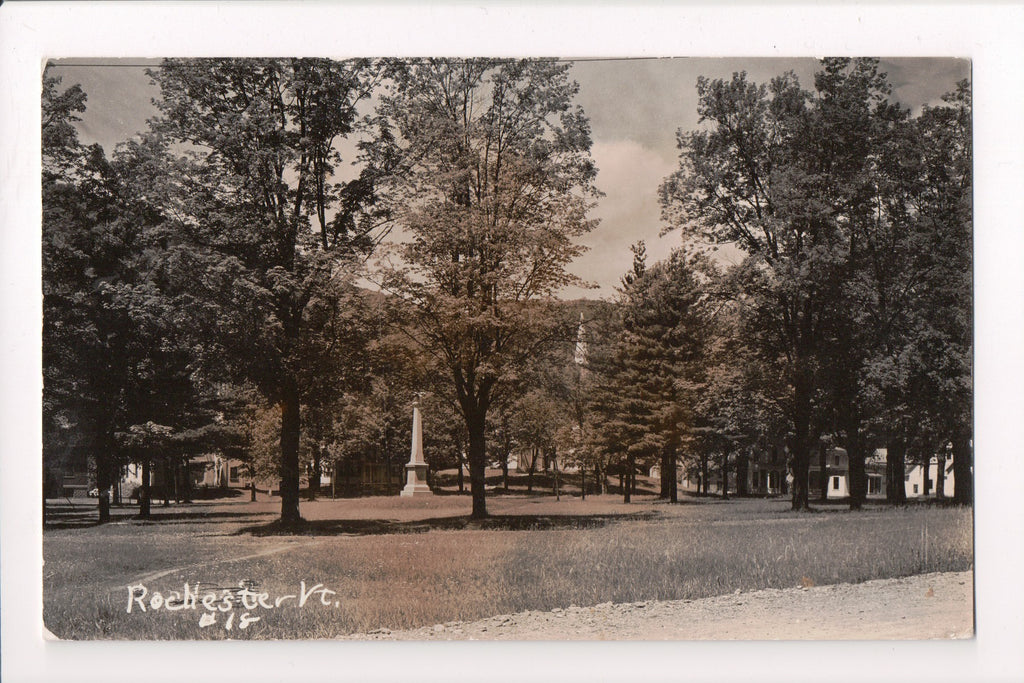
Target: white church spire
<point>579,356</point>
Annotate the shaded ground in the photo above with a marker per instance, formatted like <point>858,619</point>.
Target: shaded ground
<point>367,527</point>
<point>392,514</point>
<point>927,606</point>
<point>371,514</point>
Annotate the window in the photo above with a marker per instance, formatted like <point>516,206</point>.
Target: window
<point>233,475</point>
<point>915,488</point>
<point>835,483</point>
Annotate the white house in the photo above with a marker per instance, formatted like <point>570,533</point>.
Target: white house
<point>208,471</point>
<point>918,487</point>
<point>836,477</point>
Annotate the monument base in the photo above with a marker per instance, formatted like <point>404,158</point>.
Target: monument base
<point>416,481</point>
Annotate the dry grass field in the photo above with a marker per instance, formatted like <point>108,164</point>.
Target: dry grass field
<point>371,563</point>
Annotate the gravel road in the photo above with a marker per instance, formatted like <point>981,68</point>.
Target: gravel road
<point>926,606</point>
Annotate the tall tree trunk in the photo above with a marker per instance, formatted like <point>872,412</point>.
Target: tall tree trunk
<point>742,474</point>
<point>175,469</point>
<point>168,476</point>
<point>627,488</point>
<point>673,492</point>
<point>724,467</point>
<point>823,471</point>
<point>963,479</point>
<point>940,477</point>
<point>144,503</point>
<point>801,445</point>
<point>186,480</point>
<point>558,482</point>
<point>583,482</point>
<point>856,455</point>
<point>103,480</point>
<point>504,470</point>
<point>529,472</point>
<point>926,481</point>
<point>462,473</point>
<point>602,482</point>
<point>291,425</point>
<point>667,458</point>
<point>704,474</point>
<point>858,476</point>
<point>477,427</point>
<point>895,470</point>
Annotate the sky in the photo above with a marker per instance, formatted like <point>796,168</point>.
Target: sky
<point>635,107</point>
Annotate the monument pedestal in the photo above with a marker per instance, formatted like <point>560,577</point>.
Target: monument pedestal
<point>416,480</point>
<point>416,469</point>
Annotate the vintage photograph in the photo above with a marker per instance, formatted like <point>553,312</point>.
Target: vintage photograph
<point>507,349</point>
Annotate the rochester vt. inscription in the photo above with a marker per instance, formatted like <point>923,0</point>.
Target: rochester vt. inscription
<point>219,605</point>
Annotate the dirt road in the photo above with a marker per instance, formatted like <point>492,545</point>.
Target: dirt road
<point>917,607</point>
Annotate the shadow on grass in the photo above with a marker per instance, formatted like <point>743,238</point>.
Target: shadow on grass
<point>371,527</point>
<point>158,517</point>
<point>88,520</point>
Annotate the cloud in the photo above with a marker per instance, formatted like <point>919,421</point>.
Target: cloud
<point>629,175</point>
<point>921,81</point>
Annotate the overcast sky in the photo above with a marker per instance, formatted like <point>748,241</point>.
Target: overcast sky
<point>635,108</point>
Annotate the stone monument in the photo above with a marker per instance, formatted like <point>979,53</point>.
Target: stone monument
<point>416,469</point>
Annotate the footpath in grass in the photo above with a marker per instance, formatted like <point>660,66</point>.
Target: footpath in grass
<point>366,564</point>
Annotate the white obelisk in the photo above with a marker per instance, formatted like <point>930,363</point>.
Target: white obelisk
<point>416,469</point>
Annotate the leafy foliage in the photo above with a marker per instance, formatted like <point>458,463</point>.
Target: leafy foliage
<point>264,235</point>
<point>839,198</point>
<point>487,169</point>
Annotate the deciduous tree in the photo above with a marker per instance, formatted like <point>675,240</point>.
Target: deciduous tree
<point>264,227</point>
<point>489,175</point>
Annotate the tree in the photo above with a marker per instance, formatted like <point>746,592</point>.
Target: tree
<point>948,294</point>
<point>789,176</point>
<point>336,362</point>
<point>621,394</point>
<point>539,417</point>
<point>502,438</point>
<point>650,380</point>
<point>739,182</point>
<point>734,408</point>
<point>262,226</point>
<point>72,367</point>
<point>488,172</point>
<point>836,196</point>
<point>852,122</point>
<point>62,152</point>
<point>116,345</point>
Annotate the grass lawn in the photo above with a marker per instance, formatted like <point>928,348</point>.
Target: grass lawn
<point>363,564</point>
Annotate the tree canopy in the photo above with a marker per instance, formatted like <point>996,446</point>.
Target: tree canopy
<point>486,165</point>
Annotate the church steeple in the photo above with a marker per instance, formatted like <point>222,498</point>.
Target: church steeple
<point>579,356</point>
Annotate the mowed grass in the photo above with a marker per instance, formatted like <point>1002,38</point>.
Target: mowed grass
<point>421,562</point>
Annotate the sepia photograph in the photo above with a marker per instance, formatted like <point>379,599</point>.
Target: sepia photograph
<point>478,348</point>
<point>558,342</point>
